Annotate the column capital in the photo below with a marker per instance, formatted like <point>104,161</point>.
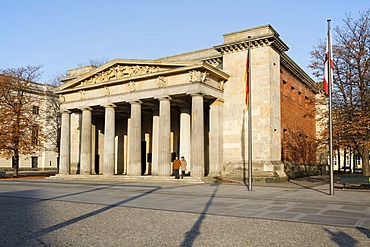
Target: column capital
<point>109,105</point>
<point>134,102</point>
<point>85,108</point>
<point>65,111</point>
<point>196,94</point>
<point>164,98</point>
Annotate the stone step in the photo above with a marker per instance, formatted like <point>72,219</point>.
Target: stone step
<point>124,178</point>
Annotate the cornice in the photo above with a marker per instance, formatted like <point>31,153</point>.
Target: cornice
<point>214,61</point>
<point>268,40</point>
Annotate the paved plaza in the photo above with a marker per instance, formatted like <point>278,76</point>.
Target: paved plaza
<point>43,212</point>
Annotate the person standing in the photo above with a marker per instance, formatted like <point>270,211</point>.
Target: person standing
<point>183,166</point>
<point>176,166</point>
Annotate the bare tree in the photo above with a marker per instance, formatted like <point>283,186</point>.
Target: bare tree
<point>97,62</point>
<point>351,91</point>
<point>53,117</point>
<point>56,81</point>
<point>20,131</point>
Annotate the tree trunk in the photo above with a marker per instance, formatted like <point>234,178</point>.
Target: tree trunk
<point>16,165</point>
<point>338,160</point>
<point>365,161</point>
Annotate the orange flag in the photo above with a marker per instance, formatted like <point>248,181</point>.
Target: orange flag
<point>246,79</point>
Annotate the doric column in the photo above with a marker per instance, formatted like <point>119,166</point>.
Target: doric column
<point>197,136</point>
<point>134,136</point>
<point>86,141</point>
<point>216,137</point>
<point>155,142</point>
<point>64,163</point>
<point>164,152</point>
<point>185,140</point>
<point>109,134</point>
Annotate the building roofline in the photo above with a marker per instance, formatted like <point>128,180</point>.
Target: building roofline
<point>297,71</point>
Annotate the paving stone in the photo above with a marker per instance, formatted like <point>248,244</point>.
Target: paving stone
<point>251,206</point>
<point>366,224</point>
<point>302,210</point>
<point>312,205</point>
<point>345,213</point>
<point>322,219</point>
<point>279,215</point>
<point>275,208</point>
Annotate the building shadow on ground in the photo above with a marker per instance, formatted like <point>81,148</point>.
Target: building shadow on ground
<point>194,232</point>
<point>25,215</point>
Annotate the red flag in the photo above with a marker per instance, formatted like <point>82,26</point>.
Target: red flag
<point>328,62</point>
<point>246,79</point>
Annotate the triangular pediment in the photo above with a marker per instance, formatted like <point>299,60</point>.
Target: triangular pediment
<point>122,69</point>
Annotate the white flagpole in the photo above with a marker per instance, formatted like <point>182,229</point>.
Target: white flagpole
<point>249,118</point>
<point>330,78</point>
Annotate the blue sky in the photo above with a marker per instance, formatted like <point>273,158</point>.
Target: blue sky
<point>60,34</point>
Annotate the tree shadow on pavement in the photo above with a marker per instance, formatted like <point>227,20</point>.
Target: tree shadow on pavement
<point>365,231</point>
<point>341,238</point>
<point>194,232</point>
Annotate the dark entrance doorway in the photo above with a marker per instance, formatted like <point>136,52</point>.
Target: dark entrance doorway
<point>96,168</point>
<point>143,157</point>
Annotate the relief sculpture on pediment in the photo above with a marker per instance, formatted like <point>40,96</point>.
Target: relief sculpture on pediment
<point>120,71</point>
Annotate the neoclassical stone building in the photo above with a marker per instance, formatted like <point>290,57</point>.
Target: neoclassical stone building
<point>132,117</point>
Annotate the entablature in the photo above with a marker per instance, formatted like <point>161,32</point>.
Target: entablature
<point>275,42</point>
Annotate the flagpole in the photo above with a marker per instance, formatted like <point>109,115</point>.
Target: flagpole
<point>249,118</point>
<point>330,111</point>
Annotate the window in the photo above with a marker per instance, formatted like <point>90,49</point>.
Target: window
<point>348,160</point>
<point>35,110</point>
<point>335,160</point>
<point>357,160</point>
<point>34,161</point>
<point>35,137</point>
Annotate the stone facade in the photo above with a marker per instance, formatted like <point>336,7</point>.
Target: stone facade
<point>133,117</point>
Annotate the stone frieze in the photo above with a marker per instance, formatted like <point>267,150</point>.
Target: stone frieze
<point>198,76</point>
<point>120,71</point>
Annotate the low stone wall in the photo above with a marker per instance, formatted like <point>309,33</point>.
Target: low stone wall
<point>293,170</point>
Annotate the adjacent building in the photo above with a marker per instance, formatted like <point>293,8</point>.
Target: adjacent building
<point>133,117</point>
<point>43,109</point>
